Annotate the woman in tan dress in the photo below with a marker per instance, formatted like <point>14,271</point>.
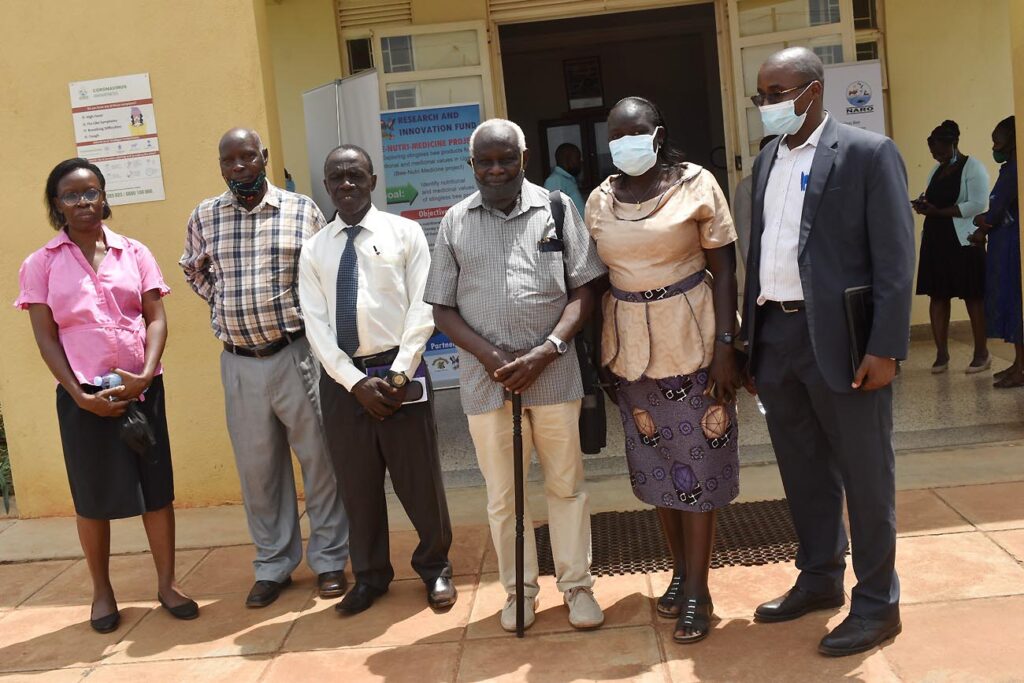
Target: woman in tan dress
<point>661,226</point>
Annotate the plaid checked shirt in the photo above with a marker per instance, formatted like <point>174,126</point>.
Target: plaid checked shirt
<point>490,267</point>
<point>245,264</point>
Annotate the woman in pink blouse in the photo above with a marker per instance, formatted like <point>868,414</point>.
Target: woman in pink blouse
<point>94,298</point>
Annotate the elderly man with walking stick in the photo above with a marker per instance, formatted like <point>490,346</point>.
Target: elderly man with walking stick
<point>511,294</point>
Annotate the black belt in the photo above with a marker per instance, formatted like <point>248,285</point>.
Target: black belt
<point>266,350</point>
<point>376,360</point>
<point>788,306</point>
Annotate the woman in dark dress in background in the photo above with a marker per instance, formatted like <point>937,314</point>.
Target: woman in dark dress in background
<point>957,190</point>
<point>1001,226</point>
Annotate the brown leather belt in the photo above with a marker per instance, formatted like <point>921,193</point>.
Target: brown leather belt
<point>268,349</point>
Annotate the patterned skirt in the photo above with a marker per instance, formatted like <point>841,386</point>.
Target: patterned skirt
<point>681,446</point>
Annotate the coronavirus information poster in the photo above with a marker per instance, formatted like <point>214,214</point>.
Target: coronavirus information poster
<point>115,128</point>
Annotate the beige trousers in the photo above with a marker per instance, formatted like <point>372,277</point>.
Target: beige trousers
<point>553,430</point>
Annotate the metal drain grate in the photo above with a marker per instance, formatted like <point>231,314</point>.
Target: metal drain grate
<point>748,534</point>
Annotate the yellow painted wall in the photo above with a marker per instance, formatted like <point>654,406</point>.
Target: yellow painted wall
<point>207,75</point>
<point>437,12</point>
<point>947,59</point>
<point>304,49</point>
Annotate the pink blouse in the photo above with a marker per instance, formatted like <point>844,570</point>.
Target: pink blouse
<point>98,313</point>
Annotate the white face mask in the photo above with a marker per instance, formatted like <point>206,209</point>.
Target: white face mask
<point>634,154</point>
<point>781,118</point>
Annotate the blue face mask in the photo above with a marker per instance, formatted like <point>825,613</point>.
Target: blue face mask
<point>781,118</point>
<point>634,154</point>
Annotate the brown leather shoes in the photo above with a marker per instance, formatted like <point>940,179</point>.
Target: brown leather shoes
<point>332,584</point>
<point>441,593</point>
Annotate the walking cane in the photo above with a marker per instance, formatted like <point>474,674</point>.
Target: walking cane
<point>517,453</point>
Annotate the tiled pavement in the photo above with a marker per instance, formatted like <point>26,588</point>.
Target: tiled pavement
<point>961,561</point>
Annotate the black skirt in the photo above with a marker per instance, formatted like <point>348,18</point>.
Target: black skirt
<point>949,270</point>
<point>108,479</point>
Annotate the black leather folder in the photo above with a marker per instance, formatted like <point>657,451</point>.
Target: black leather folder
<point>860,311</point>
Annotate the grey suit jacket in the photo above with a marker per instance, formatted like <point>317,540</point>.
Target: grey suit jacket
<point>857,229</point>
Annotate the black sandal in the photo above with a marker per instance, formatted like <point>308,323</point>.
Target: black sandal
<point>668,606</point>
<point>695,616</point>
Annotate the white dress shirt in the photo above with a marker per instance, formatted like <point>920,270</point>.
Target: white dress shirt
<point>783,211</point>
<point>394,261</point>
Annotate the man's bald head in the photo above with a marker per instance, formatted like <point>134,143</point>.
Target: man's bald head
<point>245,135</point>
<point>797,60</point>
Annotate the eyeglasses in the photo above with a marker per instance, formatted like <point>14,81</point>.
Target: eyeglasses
<point>760,100</point>
<point>72,198</point>
<point>508,163</point>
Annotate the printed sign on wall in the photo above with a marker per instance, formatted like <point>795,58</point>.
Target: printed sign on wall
<point>853,94</point>
<point>115,128</point>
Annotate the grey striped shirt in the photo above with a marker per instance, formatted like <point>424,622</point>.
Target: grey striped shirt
<point>490,267</point>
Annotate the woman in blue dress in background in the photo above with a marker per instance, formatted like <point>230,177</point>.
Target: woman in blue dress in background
<point>1004,312</point>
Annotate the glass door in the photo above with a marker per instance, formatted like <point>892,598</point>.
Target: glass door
<point>760,27</point>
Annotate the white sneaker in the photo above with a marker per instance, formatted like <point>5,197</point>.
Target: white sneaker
<point>508,613</point>
<point>584,612</point>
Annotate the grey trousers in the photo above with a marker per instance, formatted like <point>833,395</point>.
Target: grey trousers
<point>273,407</point>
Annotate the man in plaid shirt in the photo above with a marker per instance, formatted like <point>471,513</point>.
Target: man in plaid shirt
<point>242,257</point>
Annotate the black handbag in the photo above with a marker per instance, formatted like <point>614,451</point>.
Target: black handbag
<point>593,421</point>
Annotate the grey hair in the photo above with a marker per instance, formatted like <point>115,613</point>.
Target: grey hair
<point>499,123</point>
<point>802,60</point>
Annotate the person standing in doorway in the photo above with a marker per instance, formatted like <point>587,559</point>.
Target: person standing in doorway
<point>242,257</point>
<point>361,285</point>
<point>830,212</point>
<point>1000,225</point>
<point>741,208</point>
<point>951,266</point>
<point>667,342</point>
<point>565,175</point>
<point>95,299</point>
<point>512,296</point>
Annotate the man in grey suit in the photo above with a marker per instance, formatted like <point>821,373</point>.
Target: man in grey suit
<point>830,212</point>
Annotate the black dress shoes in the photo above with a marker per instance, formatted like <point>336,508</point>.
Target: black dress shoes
<point>265,592</point>
<point>858,634</point>
<point>359,599</point>
<point>441,593</point>
<point>185,611</point>
<point>106,624</point>
<point>331,584</point>
<point>796,603</point>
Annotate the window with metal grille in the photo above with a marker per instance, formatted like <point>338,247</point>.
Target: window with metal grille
<point>823,12</point>
<point>396,53</point>
<point>867,50</point>
<point>865,14</point>
<point>402,97</point>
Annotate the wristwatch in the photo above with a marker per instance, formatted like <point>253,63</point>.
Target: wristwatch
<point>560,345</point>
<point>397,379</point>
<point>726,338</point>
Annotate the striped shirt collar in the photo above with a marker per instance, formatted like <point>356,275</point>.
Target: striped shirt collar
<point>529,196</point>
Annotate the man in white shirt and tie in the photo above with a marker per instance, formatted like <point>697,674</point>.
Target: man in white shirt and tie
<point>361,283</point>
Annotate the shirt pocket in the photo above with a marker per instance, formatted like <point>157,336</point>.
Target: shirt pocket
<point>551,271</point>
